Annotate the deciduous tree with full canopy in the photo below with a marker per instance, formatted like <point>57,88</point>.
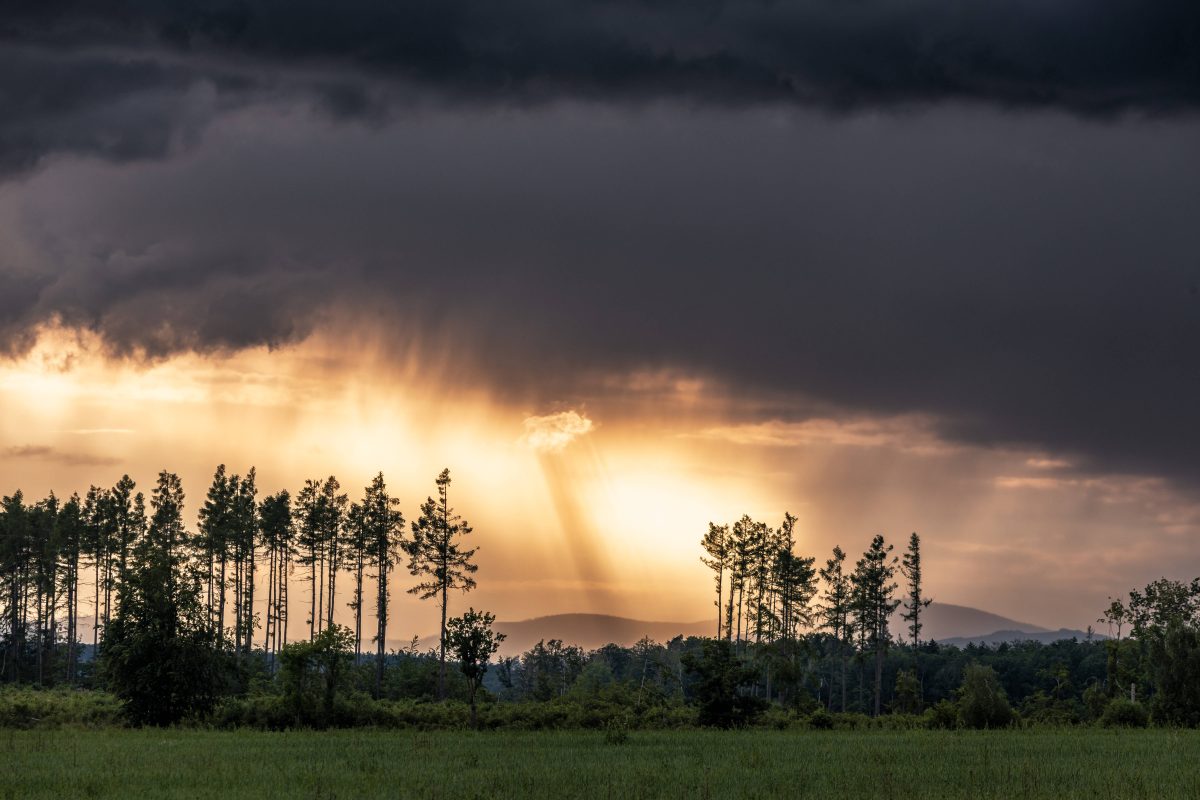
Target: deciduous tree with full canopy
<point>473,642</point>
<point>721,685</point>
<point>314,668</point>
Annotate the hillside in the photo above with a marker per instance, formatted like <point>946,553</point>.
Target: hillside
<point>999,637</point>
<point>943,621</point>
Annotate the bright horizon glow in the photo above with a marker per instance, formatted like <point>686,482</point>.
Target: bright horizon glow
<point>595,512</point>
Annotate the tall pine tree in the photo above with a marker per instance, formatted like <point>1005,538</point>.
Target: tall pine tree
<point>436,556</point>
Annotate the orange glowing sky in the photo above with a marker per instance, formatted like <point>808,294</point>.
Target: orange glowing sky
<point>596,507</point>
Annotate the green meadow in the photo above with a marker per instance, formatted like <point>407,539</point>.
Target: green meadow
<point>183,763</point>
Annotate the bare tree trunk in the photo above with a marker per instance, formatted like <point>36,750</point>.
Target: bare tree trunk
<point>358,603</point>
<point>741,596</point>
<point>268,629</point>
<point>729,611</point>
<point>333,570</point>
<point>237,599</point>
<point>381,621</point>
<point>96,612</point>
<point>321,596</point>
<point>212,569</point>
<point>442,650</point>
<point>53,615</point>
<point>40,622</point>
<point>720,598</point>
<point>71,610</point>
<point>250,600</point>
<point>107,590</point>
<point>312,613</point>
<point>221,603</point>
<point>878,675</point>
<point>842,647</point>
<point>285,566</point>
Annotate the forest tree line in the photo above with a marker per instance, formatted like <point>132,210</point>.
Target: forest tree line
<point>767,595</point>
<point>193,623</point>
<point>793,626</point>
<point>134,550</point>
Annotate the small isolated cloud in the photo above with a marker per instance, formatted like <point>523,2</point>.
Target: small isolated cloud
<point>553,432</point>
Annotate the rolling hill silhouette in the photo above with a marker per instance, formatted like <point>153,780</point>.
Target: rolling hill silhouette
<point>942,621</point>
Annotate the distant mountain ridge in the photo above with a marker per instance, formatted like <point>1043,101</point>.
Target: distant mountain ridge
<point>589,631</point>
<point>942,622</point>
<point>1009,637</point>
<point>945,623</point>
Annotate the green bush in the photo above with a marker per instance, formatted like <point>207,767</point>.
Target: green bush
<point>778,718</point>
<point>900,722</point>
<point>1175,670</point>
<point>1122,713</point>
<point>616,730</point>
<point>820,720</point>
<point>941,716</point>
<point>57,708</point>
<point>356,709</point>
<point>982,702</point>
<point>907,696</point>
<point>721,678</point>
<point>802,703</point>
<point>1095,700</point>
<point>849,721</point>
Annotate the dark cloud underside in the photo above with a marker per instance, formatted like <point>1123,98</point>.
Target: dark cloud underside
<point>1089,55</point>
<point>1025,280</point>
<point>110,78</point>
<point>563,188</point>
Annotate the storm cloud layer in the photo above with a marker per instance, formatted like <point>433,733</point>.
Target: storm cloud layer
<point>558,190</point>
<point>115,78</point>
<point>1092,55</point>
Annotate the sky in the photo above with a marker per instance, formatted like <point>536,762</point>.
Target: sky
<point>625,268</point>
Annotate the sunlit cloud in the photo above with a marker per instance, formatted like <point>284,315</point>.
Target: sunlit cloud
<point>905,433</point>
<point>1041,484</point>
<point>1039,462</point>
<point>552,433</point>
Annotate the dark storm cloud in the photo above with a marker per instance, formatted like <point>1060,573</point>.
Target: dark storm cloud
<point>1087,55</point>
<point>92,105</point>
<point>640,200</point>
<point>1024,280</point>
<point>156,299</point>
<point>106,78</point>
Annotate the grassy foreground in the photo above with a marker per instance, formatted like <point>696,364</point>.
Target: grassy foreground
<point>353,764</point>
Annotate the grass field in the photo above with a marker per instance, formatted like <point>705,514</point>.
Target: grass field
<point>694,764</point>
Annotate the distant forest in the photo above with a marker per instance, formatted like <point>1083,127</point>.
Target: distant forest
<point>193,626</point>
